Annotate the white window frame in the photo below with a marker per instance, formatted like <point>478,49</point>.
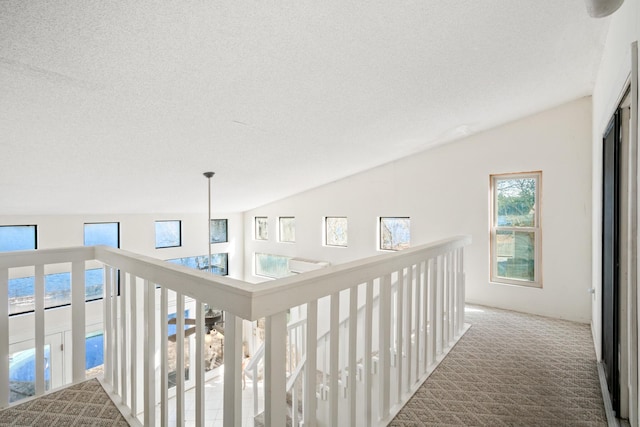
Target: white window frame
<point>325,231</point>
<point>536,230</point>
<point>280,239</point>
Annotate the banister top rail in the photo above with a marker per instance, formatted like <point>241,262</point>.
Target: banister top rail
<point>46,256</point>
<point>247,300</point>
<point>282,294</point>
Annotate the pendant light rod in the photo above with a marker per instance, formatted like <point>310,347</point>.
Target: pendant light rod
<point>209,175</point>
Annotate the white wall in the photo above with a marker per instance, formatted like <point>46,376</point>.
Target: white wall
<point>614,70</point>
<point>445,191</point>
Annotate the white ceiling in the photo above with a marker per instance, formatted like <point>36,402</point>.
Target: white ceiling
<point>119,106</point>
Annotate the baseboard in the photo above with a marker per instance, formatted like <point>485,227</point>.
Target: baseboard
<point>612,421</point>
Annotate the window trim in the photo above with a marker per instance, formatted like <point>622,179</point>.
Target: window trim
<point>255,228</point>
<point>280,218</point>
<point>84,230</point>
<point>35,234</point>
<point>179,233</point>
<point>325,229</point>
<point>536,230</point>
<point>380,220</point>
<point>226,231</point>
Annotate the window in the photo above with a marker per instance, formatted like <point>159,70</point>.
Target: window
<point>261,232</point>
<point>102,233</point>
<point>17,237</point>
<point>335,231</point>
<point>219,231</point>
<point>515,229</point>
<point>219,263</point>
<point>287,229</point>
<point>57,290</point>
<point>168,234</point>
<point>395,233</point>
<point>274,266</point>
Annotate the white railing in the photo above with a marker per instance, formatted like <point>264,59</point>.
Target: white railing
<point>392,346</point>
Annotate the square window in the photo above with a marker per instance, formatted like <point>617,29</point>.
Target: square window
<point>515,229</point>
<point>395,233</point>
<point>219,231</point>
<point>18,237</point>
<point>102,233</point>
<point>335,231</point>
<point>168,234</point>
<point>261,231</point>
<point>287,229</point>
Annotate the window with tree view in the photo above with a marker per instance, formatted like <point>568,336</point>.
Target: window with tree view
<point>515,229</point>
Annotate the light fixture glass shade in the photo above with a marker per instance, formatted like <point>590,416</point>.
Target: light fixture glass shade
<point>602,8</point>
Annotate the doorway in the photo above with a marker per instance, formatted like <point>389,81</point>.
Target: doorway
<point>611,257</point>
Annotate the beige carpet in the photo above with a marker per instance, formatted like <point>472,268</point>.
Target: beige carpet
<point>512,369</point>
<point>84,404</point>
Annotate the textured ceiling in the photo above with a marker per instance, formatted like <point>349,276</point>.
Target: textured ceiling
<point>114,106</point>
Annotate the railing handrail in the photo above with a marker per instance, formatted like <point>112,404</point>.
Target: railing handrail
<point>268,298</point>
<point>247,300</point>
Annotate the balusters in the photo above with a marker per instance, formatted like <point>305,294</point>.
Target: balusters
<point>352,363</point>
<point>149,353</point>
<point>275,412</point>
<point>233,371</point>
<point>4,337</point>
<point>78,328</point>
<point>309,396</point>
<point>179,359</point>
<point>334,334</point>
<point>384,330</point>
<point>164,362</point>
<point>39,328</point>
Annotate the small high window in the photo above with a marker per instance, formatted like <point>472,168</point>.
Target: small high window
<point>287,229</point>
<point>18,238</point>
<point>219,231</point>
<point>168,234</point>
<point>261,231</point>
<point>515,229</point>
<point>395,233</point>
<point>102,233</point>
<point>335,228</point>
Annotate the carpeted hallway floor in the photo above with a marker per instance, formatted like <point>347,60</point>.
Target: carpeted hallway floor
<point>512,369</point>
<point>84,404</point>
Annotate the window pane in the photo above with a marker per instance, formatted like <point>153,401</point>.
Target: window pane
<point>57,289</point>
<point>22,373</point>
<point>17,237</point>
<point>274,266</point>
<point>218,230</point>
<point>21,293</point>
<point>515,202</point>
<point>261,228</point>
<point>168,234</point>
<point>94,353</point>
<point>515,253</point>
<point>336,228</point>
<point>219,263</point>
<point>105,233</point>
<point>395,233</point>
<point>94,285</point>
<point>288,229</point>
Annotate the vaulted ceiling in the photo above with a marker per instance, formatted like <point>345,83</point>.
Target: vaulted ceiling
<point>119,106</point>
